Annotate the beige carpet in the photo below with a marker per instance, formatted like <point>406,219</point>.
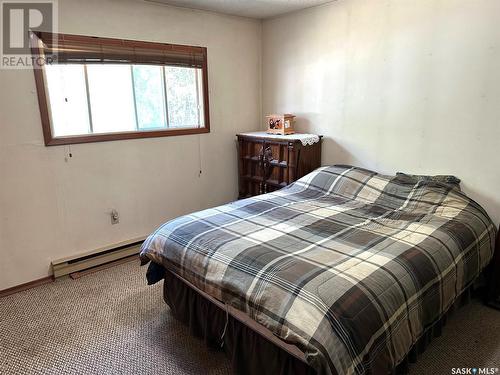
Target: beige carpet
<point>112,322</point>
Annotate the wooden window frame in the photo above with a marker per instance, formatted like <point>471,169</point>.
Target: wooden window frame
<point>127,45</point>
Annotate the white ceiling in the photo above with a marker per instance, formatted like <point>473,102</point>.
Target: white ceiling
<point>246,8</point>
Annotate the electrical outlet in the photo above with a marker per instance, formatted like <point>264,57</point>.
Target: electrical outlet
<point>115,218</point>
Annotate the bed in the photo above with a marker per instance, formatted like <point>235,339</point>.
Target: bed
<point>345,271</point>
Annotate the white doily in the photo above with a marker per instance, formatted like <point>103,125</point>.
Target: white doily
<point>305,139</point>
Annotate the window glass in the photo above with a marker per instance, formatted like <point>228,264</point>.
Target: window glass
<point>182,97</point>
<point>111,98</point>
<point>68,99</point>
<point>149,97</point>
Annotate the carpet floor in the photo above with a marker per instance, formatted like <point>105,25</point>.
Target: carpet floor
<point>111,322</point>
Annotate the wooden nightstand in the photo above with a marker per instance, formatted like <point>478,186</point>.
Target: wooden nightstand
<point>268,162</point>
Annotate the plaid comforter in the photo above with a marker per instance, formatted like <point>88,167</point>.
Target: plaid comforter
<point>349,265</point>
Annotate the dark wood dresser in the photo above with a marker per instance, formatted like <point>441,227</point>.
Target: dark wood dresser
<point>269,162</point>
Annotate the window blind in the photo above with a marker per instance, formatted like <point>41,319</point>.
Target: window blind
<point>77,49</point>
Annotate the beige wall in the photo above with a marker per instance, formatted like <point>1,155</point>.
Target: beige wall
<point>393,85</point>
<point>401,85</point>
<point>50,208</point>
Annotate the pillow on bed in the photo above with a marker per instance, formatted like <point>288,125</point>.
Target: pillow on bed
<point>444,179</point>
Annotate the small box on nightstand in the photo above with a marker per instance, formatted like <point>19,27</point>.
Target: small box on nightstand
<point>280,124</point>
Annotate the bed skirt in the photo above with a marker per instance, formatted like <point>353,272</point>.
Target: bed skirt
<point>250,352</point>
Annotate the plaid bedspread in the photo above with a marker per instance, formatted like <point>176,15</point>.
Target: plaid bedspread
<point>349,265</point>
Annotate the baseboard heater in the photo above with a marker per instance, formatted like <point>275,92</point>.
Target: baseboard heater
<point>98,257</point>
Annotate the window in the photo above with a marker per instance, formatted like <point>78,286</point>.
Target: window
<point>103,89</point>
